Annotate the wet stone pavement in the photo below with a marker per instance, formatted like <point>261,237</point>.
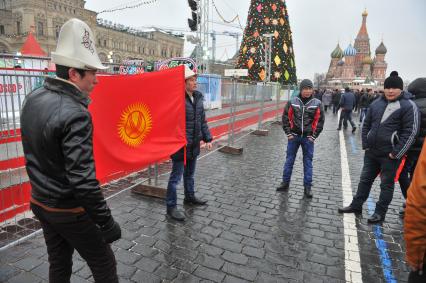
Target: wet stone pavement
<point>248,232</point>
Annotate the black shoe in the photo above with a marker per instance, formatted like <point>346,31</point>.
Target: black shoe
<point>175,214</point>
<point>349,209</point>
<point>308,192</point>
<point>402,211</point>
<point>375,218</point>
<point>353,130</point>
<point>338,129</point>
<point>194,201</point>
<point>282,187</point>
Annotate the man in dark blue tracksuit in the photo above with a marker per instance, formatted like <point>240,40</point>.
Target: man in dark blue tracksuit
<point>390,128</point>
<point>197,130</point>
<point>347,104</point>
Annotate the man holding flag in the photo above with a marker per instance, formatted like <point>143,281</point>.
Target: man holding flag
<point>57,140</point>
<point>184,160</point>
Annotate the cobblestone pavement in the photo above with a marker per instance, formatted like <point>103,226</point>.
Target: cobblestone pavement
<point>248,232</point>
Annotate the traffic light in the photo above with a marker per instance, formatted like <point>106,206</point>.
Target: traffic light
<point>195,18</point>
<point>193,5</point>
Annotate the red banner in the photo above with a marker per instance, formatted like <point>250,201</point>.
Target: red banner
<point>137,120</point>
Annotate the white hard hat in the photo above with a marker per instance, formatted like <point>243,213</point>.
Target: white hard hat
<point>76,47</point>
<point>188,72</point>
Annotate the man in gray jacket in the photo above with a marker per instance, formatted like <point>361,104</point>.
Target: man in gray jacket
<point>347,104</point>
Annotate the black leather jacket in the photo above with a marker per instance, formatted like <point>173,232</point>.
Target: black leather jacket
<point>57,140</point>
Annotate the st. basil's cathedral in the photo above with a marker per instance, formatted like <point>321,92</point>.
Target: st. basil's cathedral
<point>354,67</point>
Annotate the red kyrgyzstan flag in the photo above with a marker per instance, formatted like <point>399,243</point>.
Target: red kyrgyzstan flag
<point>137,120</point>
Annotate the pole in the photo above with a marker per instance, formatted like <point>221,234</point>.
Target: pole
<point>269,58</point>
<point>233,107</point>
<point>156,174</point>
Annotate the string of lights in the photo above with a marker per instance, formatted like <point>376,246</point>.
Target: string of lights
<point>128,7</point>
<point>236,18</point>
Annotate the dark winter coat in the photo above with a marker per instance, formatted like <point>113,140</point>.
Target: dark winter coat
<point>390,126</point>
<point>418,89</point>
<point>336,97</point>
<point>303,119</point>
<point>366,100</point>
<point>197,129</point>
<point>347,101</point>
<point>57,132</point>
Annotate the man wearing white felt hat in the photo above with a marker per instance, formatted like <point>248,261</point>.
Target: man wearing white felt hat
<point>57,140</point>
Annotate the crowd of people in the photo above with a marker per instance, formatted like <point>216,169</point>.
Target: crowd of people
<point>57,130</point>
<point>393,128</point>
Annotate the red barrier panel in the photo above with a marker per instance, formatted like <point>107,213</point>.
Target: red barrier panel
<point>14,200</point>
<point>12,163</point>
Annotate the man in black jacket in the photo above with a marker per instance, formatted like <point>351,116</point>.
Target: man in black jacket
<point>57,140</point>
<point>418,89</point>
<point>303,120</point>
<point>197,130</point>
<point>390,128</point>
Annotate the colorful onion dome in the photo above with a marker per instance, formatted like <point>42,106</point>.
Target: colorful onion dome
<point>367,60</point>
<point>350,51</point>
<point>381,49</point>
<point>337,52</point>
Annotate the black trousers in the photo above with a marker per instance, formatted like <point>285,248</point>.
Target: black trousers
<point>373,165</point>
<point>416,277</point>
<point>66,231</point>
<point>407,174</point>
<point>346,116</point>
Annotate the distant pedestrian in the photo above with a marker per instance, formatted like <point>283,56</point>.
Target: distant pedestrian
<point>347,104</point>
<point>303,120</point>
<point>366,99</point>
<point>327,99</point>
<point>390,128</point>
<point>336,101</point>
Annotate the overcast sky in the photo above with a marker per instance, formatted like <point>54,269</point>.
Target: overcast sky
<point>317,27</point>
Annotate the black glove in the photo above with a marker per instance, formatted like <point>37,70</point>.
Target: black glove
<point>111,231</point>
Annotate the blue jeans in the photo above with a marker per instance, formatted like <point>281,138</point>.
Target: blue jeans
<point>178,170</point>
<point>363,114</point>
<point>308,154</point>
<point>373,165</point>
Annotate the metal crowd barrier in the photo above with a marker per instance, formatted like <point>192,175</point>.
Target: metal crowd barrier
<point>249,104</point>
<point>15,84</point>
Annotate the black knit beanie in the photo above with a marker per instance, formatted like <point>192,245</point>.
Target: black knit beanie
<point>306,84</point>
<point>394,81</point>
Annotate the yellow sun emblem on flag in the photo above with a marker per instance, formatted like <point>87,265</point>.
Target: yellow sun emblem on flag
<point>135,124</point>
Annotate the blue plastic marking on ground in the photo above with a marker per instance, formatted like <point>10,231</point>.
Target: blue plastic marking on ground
<point>382,247</point>
<point>353,144</point>
<point>385,259</point>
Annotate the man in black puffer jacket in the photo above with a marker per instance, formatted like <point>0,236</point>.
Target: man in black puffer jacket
<point>390,128</point>
<point>303,121</point>
<point>197,130</point>
<point>418,89</point>
<point>57,140</point>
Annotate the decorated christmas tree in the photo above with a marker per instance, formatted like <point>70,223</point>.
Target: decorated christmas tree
<point>268,17</point>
